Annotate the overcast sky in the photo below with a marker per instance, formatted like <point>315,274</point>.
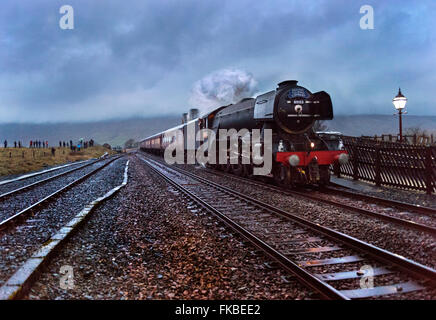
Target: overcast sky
<point>143,57</point>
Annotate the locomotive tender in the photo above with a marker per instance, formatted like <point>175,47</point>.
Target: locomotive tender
<point>300,155</point>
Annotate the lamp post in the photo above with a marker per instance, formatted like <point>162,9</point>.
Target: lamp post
<point>400,103</point>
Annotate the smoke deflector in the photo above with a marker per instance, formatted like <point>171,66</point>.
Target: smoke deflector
<point>322,105</point>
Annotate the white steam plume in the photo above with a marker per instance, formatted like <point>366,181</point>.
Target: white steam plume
<point>222,87</point>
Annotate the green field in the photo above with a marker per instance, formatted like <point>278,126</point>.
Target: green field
<point>22,160</point>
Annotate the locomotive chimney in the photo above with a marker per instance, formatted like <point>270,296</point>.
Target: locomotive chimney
<point>184,118</point>
<point>287,84</point>
<point>193,114</point>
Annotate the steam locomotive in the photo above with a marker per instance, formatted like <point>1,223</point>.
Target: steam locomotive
<point>300,154</point>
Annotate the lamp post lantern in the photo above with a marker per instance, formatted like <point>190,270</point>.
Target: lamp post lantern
<point>400,103</point>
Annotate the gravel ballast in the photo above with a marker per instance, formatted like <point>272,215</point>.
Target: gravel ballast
<point>18,244</point>
<point>19,201</point>
<point>42,175</point>
<point>412,244</point>
<point>148,242</point>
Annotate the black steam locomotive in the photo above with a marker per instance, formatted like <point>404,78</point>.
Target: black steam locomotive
<point>300,155</point>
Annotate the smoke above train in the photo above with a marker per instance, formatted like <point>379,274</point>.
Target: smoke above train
<point>222,87</point>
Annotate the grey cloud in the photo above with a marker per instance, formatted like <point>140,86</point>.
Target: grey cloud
<point>139,58</point>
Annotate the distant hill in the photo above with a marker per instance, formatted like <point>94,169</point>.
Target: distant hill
<point>379,124</point>
<point>116,132</point>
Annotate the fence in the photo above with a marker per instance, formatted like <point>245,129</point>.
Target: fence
<point>391,164</point>
<point>414,139</point>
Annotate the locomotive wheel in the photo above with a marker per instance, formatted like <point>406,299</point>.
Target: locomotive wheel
<point>244,172</point>
<point>282,175</point>
<point>324,172</point>
<point>227,167</point>
<point>248,170</point>
<point>238,169</point>
<point>221,167</point>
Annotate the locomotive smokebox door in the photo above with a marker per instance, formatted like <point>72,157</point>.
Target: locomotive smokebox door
<point>293,109</point>
<point>296,108</point>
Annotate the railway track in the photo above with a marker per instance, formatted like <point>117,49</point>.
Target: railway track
<point>23,188</point>
<point>392,203</point>
<point>29,176</point>
<point>404,214</point>
<point>15,218</point>
<point>328,261</point>
<point>17,279</point>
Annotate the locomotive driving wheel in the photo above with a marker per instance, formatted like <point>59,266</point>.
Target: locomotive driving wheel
<point>282,175</point>
<point>238,169</point>
<point>324,172</point>
<point>227,167</point>
<point>248,170</point>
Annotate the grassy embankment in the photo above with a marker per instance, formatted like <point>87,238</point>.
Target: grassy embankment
<point>12,160</point>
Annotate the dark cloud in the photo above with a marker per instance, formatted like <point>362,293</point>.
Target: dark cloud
<point>134,57</point>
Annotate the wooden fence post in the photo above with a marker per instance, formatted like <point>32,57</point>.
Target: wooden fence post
<point>377,166</point>
<point>428,170</point>
<point>355,164</point>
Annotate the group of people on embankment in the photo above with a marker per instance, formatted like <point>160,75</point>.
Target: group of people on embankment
<point>82,144</point>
